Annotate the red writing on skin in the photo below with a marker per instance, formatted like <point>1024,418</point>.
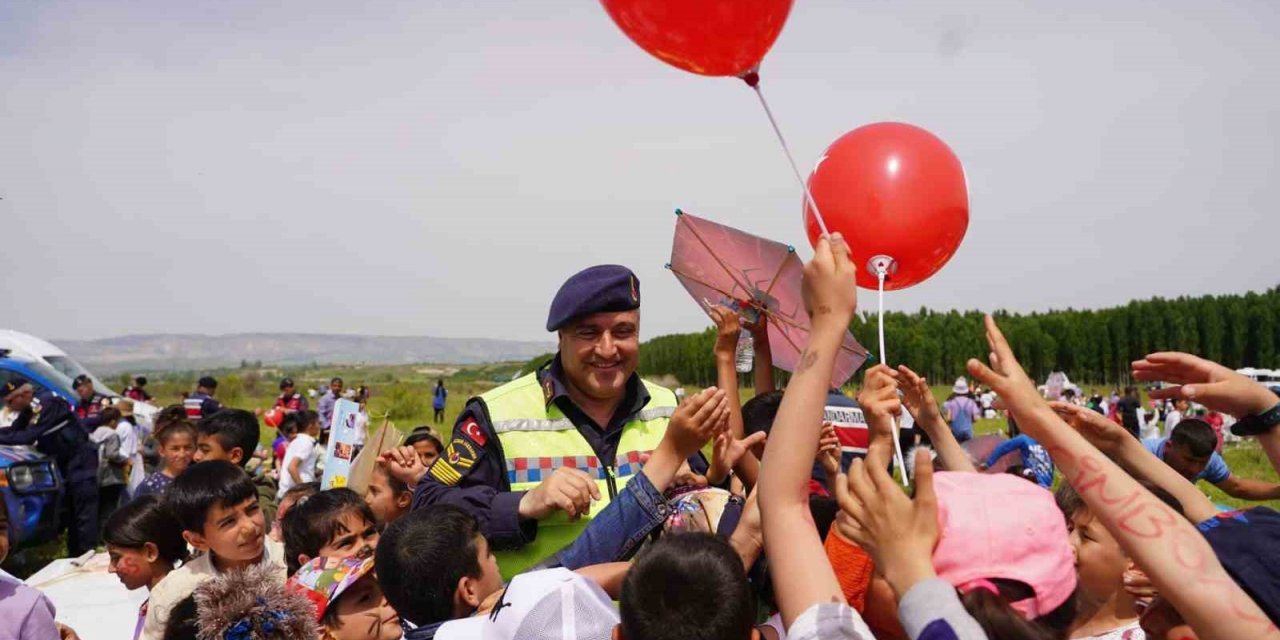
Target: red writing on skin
<point>1188,550</point>
<point>1157,517</point>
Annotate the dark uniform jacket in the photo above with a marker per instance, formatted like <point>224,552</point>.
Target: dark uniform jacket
<point>51,425</point>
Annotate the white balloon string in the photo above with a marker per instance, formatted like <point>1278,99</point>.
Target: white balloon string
<point>817,215</point>
<point>884,358</point>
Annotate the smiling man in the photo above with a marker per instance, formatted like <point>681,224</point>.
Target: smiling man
<point>536,458</point>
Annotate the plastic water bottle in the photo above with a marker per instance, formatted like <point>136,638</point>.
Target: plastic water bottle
<point>746,352</point>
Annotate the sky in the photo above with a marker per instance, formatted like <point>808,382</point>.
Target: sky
<point>439,168</point>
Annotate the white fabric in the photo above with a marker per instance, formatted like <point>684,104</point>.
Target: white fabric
<point>130,449</point>
<point>541,605</point>
<point>832,621</point>
<point>1171,420</point>
<point>362,427</point>
<point>88,598</point>
<point>302,448</point>
<point>7,416</point>
<point>1131,631</point>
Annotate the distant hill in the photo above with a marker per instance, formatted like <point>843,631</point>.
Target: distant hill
<point>180,352</point>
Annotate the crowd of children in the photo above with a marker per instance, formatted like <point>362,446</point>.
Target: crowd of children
<point>801,544</point>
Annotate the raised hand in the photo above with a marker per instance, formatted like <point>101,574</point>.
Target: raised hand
<point>1006,377</point>
<point>829,450</point>
<point>899,532</point>
<point>727,331</point>
<point>403,464</point>
<point>698,420</point>
<point>880,404</point>
<point>917,397</point>
<point>727,452</point>
<point>1102,433</point>
<point>830,294</point>
<point>1204,381</point>
<point>568,490</point>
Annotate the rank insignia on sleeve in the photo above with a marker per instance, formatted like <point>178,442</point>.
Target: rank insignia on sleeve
<point>458,458</point>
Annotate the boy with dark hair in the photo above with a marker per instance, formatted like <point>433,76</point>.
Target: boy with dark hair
<point>1190,450</point>
<point>689,585</point>
<point>437,571</point>
<point>232,435</point>
<point>216,505</point>
<point>330,524</point>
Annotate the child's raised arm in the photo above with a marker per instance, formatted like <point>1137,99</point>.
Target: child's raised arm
<point>1175,556</point>
<point>802,575</point>
<point>731,451</point>
<point>1111,439</point>
<point>923,406</point>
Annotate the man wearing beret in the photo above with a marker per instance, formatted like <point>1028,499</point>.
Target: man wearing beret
<point>536,458</point>
<point>47,422</point>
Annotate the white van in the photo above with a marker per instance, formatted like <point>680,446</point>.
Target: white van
<point>28,346</point>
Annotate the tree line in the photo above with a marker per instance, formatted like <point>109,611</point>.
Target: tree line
<point>1091,346</point>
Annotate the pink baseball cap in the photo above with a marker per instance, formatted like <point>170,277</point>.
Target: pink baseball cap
<point>1000,526</point>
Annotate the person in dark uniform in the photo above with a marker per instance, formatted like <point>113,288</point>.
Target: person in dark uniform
<point>201,403</point>
<point>48,422</point>
<point>534,459</point>
<point>90,402</point>
<point>290,400</point>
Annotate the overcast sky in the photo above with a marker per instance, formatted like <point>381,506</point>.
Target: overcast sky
<point>439,168</point>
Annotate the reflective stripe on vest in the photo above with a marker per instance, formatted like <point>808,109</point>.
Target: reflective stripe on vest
<point>537,439</point>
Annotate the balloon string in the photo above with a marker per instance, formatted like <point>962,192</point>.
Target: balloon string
<point>884,358</point>
<point>817,215</point>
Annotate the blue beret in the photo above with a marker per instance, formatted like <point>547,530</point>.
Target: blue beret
<point>606,287</point>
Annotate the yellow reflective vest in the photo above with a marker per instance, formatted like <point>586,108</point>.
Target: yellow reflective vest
<point>537,439</point>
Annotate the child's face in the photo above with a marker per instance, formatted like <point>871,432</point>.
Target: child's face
<point>208,448</point>
<point>387,505</point>
<point>427,452</point>
<point>132,566</point>
<point>177,453</point>
<point>1100,562</point>
<point>363,614</point>
<point>490,574</point>
<point>233,533</point>
<point>356,538</point>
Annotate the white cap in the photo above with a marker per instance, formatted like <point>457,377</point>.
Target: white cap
<point>961,386</point>
<point>552,604</point>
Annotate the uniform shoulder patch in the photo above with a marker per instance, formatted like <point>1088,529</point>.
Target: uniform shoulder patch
<point>472,430</point>
<point>455,462</point>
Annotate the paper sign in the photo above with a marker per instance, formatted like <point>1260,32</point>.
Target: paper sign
<point>342,445</point>
<point>386,438</point>
<point>851,429</point>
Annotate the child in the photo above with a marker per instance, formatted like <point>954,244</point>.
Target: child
<point>1035,459</point>
<point>177,446</point>
<point>332,524</point>
<point>426,444</point>
<point>348,602</point>
<point>437,571</point>
<point>24,612</point>
<point>250,605</point>
<point>389,497</point>
<point>143,544</point>
<point>112,470</point>
<point>285,434</point>
<point>232,435</point>
<point>1107,611</point>
<point>687,586</point>
<point>299,464</point>
<point>216,505</point>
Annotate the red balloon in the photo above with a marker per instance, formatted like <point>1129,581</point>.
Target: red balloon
<point>274,418</point>
<point>896,190</point>
<point>708,37</point>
